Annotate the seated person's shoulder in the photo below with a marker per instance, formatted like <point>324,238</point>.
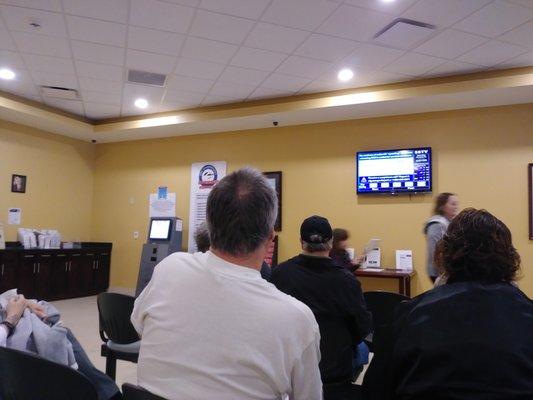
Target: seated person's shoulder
<point>289,310</point>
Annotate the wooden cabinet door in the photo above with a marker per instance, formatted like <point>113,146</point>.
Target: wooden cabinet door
<point>73,275</point>
<point>42,277</point>
<point>85,274</point>
<point>101,276</point>
<point>25,274</point>
<point>59,276</point>
<point>8,265</point>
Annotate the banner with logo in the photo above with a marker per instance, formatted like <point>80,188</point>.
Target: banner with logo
<point>204,176</point>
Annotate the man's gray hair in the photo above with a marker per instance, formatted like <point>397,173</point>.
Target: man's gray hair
<point>316,247</point>
<point>241,211</point>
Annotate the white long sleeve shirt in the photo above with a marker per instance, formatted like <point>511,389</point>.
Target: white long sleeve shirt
<point>215,330</point>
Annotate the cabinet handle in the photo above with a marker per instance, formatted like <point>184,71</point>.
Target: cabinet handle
<point>70,266</point>
<point>38,268</point>
<point>2,269</point>
<point>66,266</point>
<point>34,268</point>
<point>97,264</point>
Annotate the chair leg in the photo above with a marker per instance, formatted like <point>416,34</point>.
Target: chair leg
<point>111,365</point>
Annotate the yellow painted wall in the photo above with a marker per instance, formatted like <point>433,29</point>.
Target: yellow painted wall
<point>59,188</point>
<point>481,154</point>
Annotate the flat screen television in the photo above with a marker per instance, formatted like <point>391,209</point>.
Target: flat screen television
<point>160,229</point>
<point>394,171</point>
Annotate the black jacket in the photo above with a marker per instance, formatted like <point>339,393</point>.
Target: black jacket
<point>465,340</point>
<point>335,297</point>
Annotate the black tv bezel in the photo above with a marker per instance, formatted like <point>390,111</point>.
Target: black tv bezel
<point>395,192</point>
<point>169,228</point>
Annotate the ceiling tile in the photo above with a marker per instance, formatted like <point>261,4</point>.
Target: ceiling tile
<point>263,60</point>
<point>371,57</point>
<point>49,64</point>
<point>19,19</point>
<point>522,35</point>
<point>371,78</point>
<point>355,23</point>
<point>318,86</point>
<point>99,85</point>
<point>170,107</point>
<point>208,50</point>
<point>526,3</point>
<point>21,85</point>
<point>454,68</point>
<point>301,14</point>
<point>389,7</point>
<point>11,59</point>
<point>495,19</point>
<point>212,100</point>
<point>241,8</point>
<point>492,53</point>
<point>443,13</point>
<point>265,93</point>
<point>275,38</point>
<point>100,71</point>
<point>98,53</point>
<point>404,35</point>
<point>50,79</point>
<point>6,42</point>
<point>152,94</point>
<point>523,60</point>
<point>285,82</point>
<point>109,10</point>
<point>413,64</point>
<point>101,111</point>
<point>190,3</point>
<point>48,5</point>
<point>91,30</point>
<point>41,44</point>
<point>231,89</point>
<point>189,84</point>
<point>450,44</point>
<point>183,97</point>
<point>220,27</point>
<point>143,61</point>
<point>326,48</point>
<point>155,41</point>
<point>159,15</point>
<point>243,76</point>
<point>72,106</point>
<point>304,67</point>
<point>198,69</point>
<point>100,97</point>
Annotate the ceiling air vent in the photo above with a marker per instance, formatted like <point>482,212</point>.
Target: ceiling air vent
<point>59,92</point>
<point>146,78</point>
<point>404,33</point>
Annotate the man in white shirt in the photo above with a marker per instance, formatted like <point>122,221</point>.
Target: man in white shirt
<point>211,327</point>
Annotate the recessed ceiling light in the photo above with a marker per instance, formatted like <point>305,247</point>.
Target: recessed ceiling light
<point>141,103</point>
<point>7,74</point>
<point>388,1</point>
<point>345,75</point>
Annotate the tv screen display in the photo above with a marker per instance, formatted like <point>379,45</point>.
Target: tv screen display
<point>160,229</point>
<point>394,171</point>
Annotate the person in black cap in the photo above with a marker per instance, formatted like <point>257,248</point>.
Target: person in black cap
<point>333,294</point>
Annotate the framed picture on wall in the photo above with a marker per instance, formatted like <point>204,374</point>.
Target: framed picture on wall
<point>18,183</point>
<point>530,191</point>
<point>274,178</point>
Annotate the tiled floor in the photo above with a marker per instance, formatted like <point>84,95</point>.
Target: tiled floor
<point>81,316</point>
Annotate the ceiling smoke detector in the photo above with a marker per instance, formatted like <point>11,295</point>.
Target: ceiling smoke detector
<point>146,78</point>
<point>60,92</point>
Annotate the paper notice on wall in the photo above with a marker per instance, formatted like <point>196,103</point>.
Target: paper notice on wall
<point>204,176</point>
<point>14,216</point>
<point>2,237</point>
<point>162,207</point>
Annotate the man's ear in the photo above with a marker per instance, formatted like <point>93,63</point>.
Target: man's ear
<point>271,236</point>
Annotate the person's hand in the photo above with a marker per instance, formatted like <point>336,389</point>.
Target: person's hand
<point>37,309</point>
<point>15,308</point>
<point>359,259</point>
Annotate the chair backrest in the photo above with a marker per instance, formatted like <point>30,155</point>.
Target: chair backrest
<point>24,376</point>
<point>382,305</point>
<point>114,310</point>
<point>132,392</point>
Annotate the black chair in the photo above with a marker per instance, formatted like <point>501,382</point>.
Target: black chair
<point>381,305</point>
<point>132,392</point>
<point>342,391</point>
<point>121,341</point>
<point>24,376</point>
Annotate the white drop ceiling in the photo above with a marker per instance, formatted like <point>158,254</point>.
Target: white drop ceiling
<point>230,51</point>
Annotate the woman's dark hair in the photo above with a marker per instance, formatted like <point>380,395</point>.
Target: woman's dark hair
<point>339,235</point>
<point>441,201</point>
<point>477,247</point>
<point>201,237</point>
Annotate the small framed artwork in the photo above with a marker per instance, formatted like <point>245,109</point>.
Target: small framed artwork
<point>274,178</point>
<point>530,191</point>
<point>18,183</point>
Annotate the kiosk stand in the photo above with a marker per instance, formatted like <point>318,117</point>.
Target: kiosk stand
<point>164,238</point>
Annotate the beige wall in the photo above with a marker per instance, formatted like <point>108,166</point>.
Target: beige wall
<point>481,154</point>
<point>59,190</point>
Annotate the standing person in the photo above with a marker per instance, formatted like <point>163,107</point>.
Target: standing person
<point>446,208</point>
<point>468,339</point>
<point>211,327</point>
<point>333,294</point>
<point>340,255</point>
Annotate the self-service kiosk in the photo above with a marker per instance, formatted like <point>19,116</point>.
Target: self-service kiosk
<point>164,238</point>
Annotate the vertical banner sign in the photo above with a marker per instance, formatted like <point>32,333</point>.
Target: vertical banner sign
<point>204,176</point>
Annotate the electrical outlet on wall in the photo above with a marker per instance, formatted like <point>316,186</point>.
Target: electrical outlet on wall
<point>136,235</point>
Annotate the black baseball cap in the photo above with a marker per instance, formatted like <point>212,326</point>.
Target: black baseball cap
<point>316,229</point>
